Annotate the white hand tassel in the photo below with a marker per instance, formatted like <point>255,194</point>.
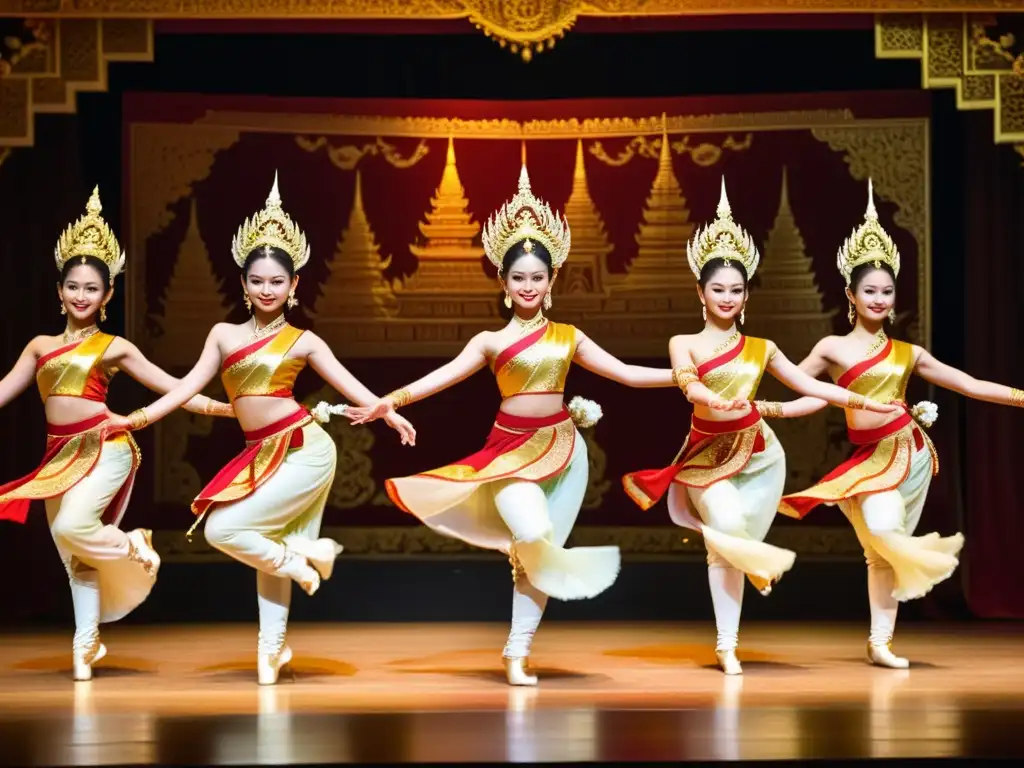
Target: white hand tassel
<point>323,411</point>
<point>585,413</point>
<point>925,413</point>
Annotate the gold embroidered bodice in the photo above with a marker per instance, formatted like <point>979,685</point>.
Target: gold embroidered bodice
<point>537,363</point>
<point>76,370</point>
<point>882,376</point>
<point>736,373</point>
<point>263,367</point>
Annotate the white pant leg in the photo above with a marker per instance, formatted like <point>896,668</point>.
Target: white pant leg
<point>291,503</point>
<point>727,585</point>
<point>106,584</point>
<point>528,605</point>
<point>524,509</point>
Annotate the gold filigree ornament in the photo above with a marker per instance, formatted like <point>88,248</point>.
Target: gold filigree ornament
<point>723,239</point>
<point>271,228</point>
<point>524,26</point>
<point>90,236</point>
<point>526,217</point>
<point>869,243</point>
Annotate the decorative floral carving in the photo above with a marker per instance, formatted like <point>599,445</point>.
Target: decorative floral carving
<point>347,157</point>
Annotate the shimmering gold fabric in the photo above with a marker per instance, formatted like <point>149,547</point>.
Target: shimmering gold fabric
<point>78,371</point>
<point>266,370</point>
<point>886,380</point>
<point>541,366</point>
<point>740,376</point>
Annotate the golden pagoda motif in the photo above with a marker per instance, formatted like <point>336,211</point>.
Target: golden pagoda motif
<point>192,302</point>
<point>659,278</point>
<point>581,283</point>
<point>450,279</point>
<point>786,303</point>
<point>356,286</point>
<point>785,306</point>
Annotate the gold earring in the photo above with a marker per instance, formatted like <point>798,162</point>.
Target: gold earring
<point>743,315</point>
<point>63,309</point>
<point>292,301</point>
<point>508,301</point>
<point>547,301</point>
<point>248,302</point>
<point>892,315</point>
<point>103,313</point>
<point>851,314</point>
<point>704,312</point>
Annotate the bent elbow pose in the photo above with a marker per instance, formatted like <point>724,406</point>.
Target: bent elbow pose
<point>882,488</point>
<point>265,507</point>
<point>111,572</point>
<point>521,493</point>
<point>728,477</point>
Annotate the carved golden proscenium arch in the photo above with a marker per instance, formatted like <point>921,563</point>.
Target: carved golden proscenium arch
<point>966,52</point>
<point>44,67</point>
<point>525,27</point>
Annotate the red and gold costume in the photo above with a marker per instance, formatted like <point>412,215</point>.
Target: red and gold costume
<point>743,452</point>
<point>882,488</point>
<point>261,368</point>
<point>88,470</point>
<point>72,450</point>
<point>521,492</point>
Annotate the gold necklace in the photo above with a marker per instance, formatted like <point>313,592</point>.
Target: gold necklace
<point>878,343</point>
<point>723,346</point>
<point>70,336</point>
<point>259,333</point>
<point>525,326</point>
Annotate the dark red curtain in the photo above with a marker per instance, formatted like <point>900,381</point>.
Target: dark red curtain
<point>994,278</point>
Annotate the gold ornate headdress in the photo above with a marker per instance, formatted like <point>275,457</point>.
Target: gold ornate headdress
<point>723,239</point>
<point>271,228</point>
<point>90,236</point>
<point>868,243</point>
<point>526,217</point>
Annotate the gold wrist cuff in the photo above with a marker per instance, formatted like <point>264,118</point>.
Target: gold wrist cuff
<point>856,402</point>
<point>138,418</point>
<point>400,398</point>
<point>1017,398</point>
<point>768,409</point>
<point>684,376</point>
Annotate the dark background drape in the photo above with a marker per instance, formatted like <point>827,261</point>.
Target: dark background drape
<point>993,279</point>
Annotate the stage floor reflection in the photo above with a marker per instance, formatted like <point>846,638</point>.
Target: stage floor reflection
<point>436,693</point>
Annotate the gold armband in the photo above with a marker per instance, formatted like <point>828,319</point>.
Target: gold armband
<point>1017,398</point>
<point>138,419</point>
<point>768,409</point>
<point>399,398</point>
<point>684,376</point>
<point>856,402</point>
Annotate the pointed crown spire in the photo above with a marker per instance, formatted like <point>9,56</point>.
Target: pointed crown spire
<point>90,235</point>
<point>723,239</point>
<point>868,244</point>
<point>271,228</point>
<point>526,217</point>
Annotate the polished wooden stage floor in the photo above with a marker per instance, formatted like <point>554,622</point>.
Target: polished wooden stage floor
<point>435,693</point>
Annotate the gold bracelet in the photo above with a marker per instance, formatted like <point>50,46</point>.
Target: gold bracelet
<point>1017,398</point>
<point>768,409</point>
<point>399,398</point>
<point>138,419</point>
<point>208,408</point>
<point>856,402</point>
<point>684,376</point>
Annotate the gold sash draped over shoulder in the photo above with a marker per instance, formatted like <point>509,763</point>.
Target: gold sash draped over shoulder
<point>76,370</point>
<point>538,363</point>
<point>263,367</point>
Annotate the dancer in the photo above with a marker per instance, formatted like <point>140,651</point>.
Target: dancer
<point>731,469</point>
<point>88,469</point>
<point>882,488</point>
<point>521,493</point>
<point>265,507</point>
